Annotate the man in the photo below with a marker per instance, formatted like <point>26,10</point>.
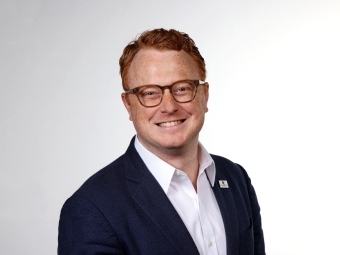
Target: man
<point>166,194</point>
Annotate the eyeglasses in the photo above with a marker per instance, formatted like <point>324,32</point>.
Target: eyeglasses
<point>152,95</point>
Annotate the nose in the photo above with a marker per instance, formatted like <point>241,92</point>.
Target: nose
<point>168,104</point>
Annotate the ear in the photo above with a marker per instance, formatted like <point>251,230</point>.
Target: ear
<point>126,103</point>
<point>206,95</point>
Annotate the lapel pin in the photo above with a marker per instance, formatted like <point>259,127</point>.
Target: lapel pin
<point>223,184</point>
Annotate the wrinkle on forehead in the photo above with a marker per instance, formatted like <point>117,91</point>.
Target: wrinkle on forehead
<point>151,66</point>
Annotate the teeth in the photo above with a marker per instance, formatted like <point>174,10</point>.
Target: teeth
<point>170,124</point>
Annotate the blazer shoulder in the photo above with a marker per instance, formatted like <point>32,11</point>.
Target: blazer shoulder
<point>109,180</point>
<point>227,167</point>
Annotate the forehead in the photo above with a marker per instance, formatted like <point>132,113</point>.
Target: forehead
<point>163,67</point>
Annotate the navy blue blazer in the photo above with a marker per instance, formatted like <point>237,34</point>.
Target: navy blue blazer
<point>123,210</point>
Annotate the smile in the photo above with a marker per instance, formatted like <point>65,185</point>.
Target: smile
<point>170,123</point>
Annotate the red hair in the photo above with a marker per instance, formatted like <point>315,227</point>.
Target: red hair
<point>160,39</point>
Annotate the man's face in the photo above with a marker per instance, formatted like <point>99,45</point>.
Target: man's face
<point>170,125</point>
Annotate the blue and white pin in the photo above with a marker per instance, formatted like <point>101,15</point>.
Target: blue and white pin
<point>223,184</point>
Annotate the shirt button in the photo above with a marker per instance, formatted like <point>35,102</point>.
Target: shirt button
<point>210,243</point>
<point>178,172</point>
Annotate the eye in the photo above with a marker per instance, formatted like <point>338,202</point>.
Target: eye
<point>182,88</point>
<point>150,92</point>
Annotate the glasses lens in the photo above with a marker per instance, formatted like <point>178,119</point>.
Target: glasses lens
<point>150,95</point>
<point>184,91</point>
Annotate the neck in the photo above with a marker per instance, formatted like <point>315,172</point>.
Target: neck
<point>187,162</point>
<point>184,158</point>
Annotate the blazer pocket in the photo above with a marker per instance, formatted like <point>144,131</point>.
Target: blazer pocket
<point>247,241</point>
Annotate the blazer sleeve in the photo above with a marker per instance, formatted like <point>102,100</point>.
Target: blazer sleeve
<point>84,230</point>
<point>259,247</point>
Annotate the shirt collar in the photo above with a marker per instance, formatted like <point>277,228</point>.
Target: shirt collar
<point>163,172</point>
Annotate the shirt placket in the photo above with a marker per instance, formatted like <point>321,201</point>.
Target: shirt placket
<point>207,228</point>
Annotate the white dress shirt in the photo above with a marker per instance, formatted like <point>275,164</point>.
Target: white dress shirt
<point>199,211</point>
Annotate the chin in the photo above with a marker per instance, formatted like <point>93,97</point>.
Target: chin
<point>174,143</point>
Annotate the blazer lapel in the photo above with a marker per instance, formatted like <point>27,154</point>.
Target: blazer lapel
<point>148,194</point>
<point>227,207</point>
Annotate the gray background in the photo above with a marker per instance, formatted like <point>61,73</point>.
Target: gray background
<point>273,68</point>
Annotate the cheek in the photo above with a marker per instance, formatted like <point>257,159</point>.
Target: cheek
<point>140,115</point>
<point>135,114</point>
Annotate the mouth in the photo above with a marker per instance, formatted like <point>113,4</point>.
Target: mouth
<point>170,123</point>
